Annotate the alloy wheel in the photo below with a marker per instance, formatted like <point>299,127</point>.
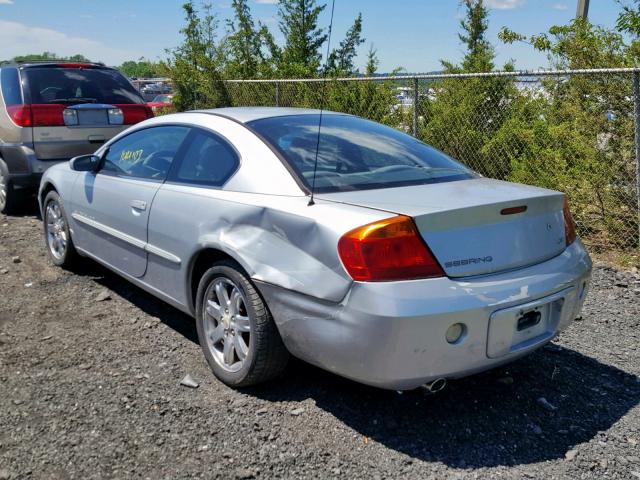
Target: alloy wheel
<point>56,230</point>
<point>227,325</point>
<point>3,190</point>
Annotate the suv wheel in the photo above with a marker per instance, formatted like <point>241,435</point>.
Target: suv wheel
<point>56,232</point>
<point>236,331</point>
<point>8,195</point>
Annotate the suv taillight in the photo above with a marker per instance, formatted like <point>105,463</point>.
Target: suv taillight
<point>20,115</point>
<point>43,115</point>
<point>134,113</point>
<point>36,115</point>
<point>391,249</point>
<point>569,226</point>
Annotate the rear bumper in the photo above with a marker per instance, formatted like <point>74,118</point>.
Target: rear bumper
<point>25,169</point>
<point>392,334</point>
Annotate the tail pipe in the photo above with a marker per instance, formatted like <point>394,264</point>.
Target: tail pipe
<point>436,385</point>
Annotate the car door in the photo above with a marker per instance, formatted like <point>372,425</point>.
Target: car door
<point>111,207</point>
<point>205,163</point>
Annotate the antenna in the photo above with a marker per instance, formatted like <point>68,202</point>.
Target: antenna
<point>322,99</point>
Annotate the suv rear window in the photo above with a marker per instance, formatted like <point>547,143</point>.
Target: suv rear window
<point>79,85</point>
<point>355,154</point>
<point>10,82</point>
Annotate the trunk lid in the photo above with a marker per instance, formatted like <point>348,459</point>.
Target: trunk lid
<point>477,226</point>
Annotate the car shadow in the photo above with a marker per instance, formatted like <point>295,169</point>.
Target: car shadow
<point>533,410</point>
<point>28,207</point>
<point>170,316</point>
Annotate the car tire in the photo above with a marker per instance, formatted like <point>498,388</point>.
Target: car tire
<point>9,196</point>
<point>247,322</point>
<point>56,232</point>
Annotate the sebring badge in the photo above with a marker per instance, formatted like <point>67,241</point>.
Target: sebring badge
<point>469,261</point>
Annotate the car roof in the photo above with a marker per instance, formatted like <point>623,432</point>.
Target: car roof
<point>249,114</point>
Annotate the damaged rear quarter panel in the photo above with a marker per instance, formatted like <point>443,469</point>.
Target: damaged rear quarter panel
<point>277,239</point>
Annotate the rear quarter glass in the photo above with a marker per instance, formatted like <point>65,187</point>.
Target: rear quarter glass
<point>10,84</point>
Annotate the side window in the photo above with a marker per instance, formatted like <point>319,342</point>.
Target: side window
<point>146,153</point>
<point>10,84</point>
<point>208,160</point>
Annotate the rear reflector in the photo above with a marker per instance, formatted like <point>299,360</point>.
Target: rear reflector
<point>391,249</point>
<point>569,226</point>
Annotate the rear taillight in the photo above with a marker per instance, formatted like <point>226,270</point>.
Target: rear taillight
<point>57,115</point>
<point>391,249</point>
<point>569,225</point>
<point>47,115</point>
<point>20,115</point>
<point>37,115</point>
<point>135,113</point>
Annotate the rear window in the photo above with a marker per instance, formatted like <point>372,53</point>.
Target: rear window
<point>355,154</point>
<point>79,85</point>
<point>10,84</point>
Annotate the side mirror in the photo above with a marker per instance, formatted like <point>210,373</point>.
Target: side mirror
<point>85,163</point>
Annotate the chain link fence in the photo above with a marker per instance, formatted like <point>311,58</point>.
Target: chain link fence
<point>573,131</point>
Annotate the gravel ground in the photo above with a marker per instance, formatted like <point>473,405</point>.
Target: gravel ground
<point>90,371</point>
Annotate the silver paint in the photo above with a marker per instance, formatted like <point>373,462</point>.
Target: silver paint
<point>388,334</point>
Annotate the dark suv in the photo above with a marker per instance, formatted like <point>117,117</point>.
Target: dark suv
<point>51,112</point>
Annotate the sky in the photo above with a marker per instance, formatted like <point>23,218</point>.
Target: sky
<point>410,34</point>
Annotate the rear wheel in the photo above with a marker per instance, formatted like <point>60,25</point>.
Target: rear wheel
<point>9,197</point>
<point>56,232</point>
<point>236,331</point>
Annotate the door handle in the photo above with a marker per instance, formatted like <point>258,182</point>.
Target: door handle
<point>139,204</point>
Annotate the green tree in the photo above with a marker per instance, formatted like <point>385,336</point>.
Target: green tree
<point>629,18</point>
<point>372,100</point>
<point>465,113</point>
<point>576,134</point>
<point>143,68</point>
<point>342,59</point>
<point>44,56</point>
<point>196,65</point>
<point>249,47</point>
<point>480,53</point>
<point>301,55</point>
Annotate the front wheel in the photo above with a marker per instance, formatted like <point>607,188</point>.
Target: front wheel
<point>236,331</point>
<point>56,232</point>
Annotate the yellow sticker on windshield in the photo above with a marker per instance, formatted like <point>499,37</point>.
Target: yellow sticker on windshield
<point>131,155</point>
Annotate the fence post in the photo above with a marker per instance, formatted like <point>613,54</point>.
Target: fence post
<point>636,117</point>
<point>415,107</point>
<point>277,94</point>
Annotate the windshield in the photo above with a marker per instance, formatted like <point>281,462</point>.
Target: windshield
<point>79,85</point>
<point>355,154</point>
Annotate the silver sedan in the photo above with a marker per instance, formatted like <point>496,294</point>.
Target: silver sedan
<point>403,268</point>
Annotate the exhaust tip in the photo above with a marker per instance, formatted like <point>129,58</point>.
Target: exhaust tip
<point>436,385</point>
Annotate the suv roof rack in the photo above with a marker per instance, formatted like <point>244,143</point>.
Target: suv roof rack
<point>52,61</point>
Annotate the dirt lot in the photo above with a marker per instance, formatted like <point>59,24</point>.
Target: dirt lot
<point>90,371</point>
